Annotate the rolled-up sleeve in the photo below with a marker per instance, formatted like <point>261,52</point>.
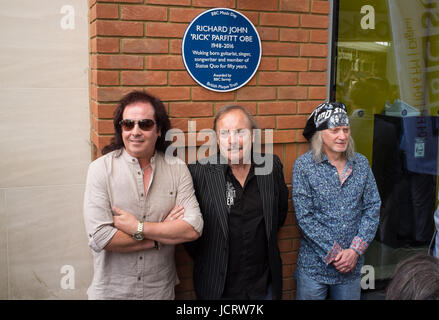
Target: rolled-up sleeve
<point>186,198</point>
<point>98,216</point>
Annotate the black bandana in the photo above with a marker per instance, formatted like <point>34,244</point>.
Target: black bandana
<point>326,115</point>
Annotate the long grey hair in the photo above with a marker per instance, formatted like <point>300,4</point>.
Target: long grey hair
<point>318,151</point>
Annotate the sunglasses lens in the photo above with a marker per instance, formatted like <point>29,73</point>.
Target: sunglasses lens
<point>146,124</point>
<point>127,124</point>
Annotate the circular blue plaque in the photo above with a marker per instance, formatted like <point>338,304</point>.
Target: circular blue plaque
<point>221,49</point>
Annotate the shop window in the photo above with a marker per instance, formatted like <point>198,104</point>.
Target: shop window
<point>386,70</point>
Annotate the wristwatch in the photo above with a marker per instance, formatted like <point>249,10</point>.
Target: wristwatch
<point>139,234</point>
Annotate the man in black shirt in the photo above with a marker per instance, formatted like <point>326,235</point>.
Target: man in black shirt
<point>243,207</point>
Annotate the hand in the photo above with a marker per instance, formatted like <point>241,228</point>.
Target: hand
<point>176,213</point>
<point>125,221</point>
<point>346,261</point>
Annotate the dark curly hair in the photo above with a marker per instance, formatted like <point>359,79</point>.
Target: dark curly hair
<point>160,116</point>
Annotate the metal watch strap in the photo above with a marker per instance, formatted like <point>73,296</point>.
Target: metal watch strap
<point>140,226</point>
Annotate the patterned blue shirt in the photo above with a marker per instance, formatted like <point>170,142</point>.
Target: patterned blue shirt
<point>333,214</point>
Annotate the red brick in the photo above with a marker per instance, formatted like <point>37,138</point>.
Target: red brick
<point>100,141</point>
<point>201,94</point>
<point>268,64</point>
<point>104,45</point>
<point>320,7</point>
<point>277,78</point>
<point>321,36</point>
<point>123,1</point>
<point>312,78</point>
<point>252,16</point>
<point>302,149</point>
<point>104,11</point>
<point>318,64</point>
<point>104,126</point>
<point>306,107</point>
<point>279,19</point>
<point>285,245</point>
<point>200,123</point>
<point>151,13</point>
<point>294,35</point>
<point>294,5</point>
<point>288,232</point>
<point>178,78</point>
<point>317,93</point>
<point>164,62</point>
<point>141,78</point>
<point>170,93</point>
<point>291,93</point>
<point>144,46</point>
<point>291,122</point>
<point>266,122</point>
<point>293,64</point>
<point>109,94</point>
<point>103,110</point>
<point>170,2</point>
<point>166,30</point>
<point>284,136</point>
<point>265,5</point>
<point>314,21</point>
<point>183,14</point>
<point>256,93</point>
<point>314,50</point>
<point>277,108</point>
<point>191,109</point>
<point>280,49</point>
<point>117,62</point>
<point>287,270</point>
<point>101,77</point>
<point>214,3</point>
<point>268,34</point>
<point>118,28</point>
<point>175,46</point>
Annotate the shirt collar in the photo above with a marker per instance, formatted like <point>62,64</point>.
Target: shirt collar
<point>325,158</point>
<point>133,160</point>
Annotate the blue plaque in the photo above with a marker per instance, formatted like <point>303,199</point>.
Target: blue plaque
<point>221,49</point>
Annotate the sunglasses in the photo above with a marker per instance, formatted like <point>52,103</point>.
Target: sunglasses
<point>144,124</point>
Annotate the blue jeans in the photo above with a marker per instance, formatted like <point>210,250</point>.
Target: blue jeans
<point>309,289</point>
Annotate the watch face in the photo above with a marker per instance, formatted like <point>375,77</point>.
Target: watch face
<point>138,236</point>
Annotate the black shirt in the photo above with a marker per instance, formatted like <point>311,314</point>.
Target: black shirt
<point>247,269</point>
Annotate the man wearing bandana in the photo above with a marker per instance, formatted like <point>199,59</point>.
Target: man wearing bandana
<point>336,202</point>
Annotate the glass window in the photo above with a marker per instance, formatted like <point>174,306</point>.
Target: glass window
<point>387,73</point>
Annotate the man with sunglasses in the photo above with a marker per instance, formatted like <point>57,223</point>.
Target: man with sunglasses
<point>243,207</point>
<point>138,204</point>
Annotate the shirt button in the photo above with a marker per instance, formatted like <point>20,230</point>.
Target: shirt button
<point>140,258</point>
<point>141,194</point>
<point>139,278</point>
<point>138,172</point>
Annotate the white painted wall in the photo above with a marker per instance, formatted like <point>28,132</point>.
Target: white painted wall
<point>44,148</point>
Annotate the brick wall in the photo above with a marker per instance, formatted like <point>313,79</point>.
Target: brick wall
<point>136,44</point>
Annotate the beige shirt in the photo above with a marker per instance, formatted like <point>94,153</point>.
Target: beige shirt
<point>114,180</point>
